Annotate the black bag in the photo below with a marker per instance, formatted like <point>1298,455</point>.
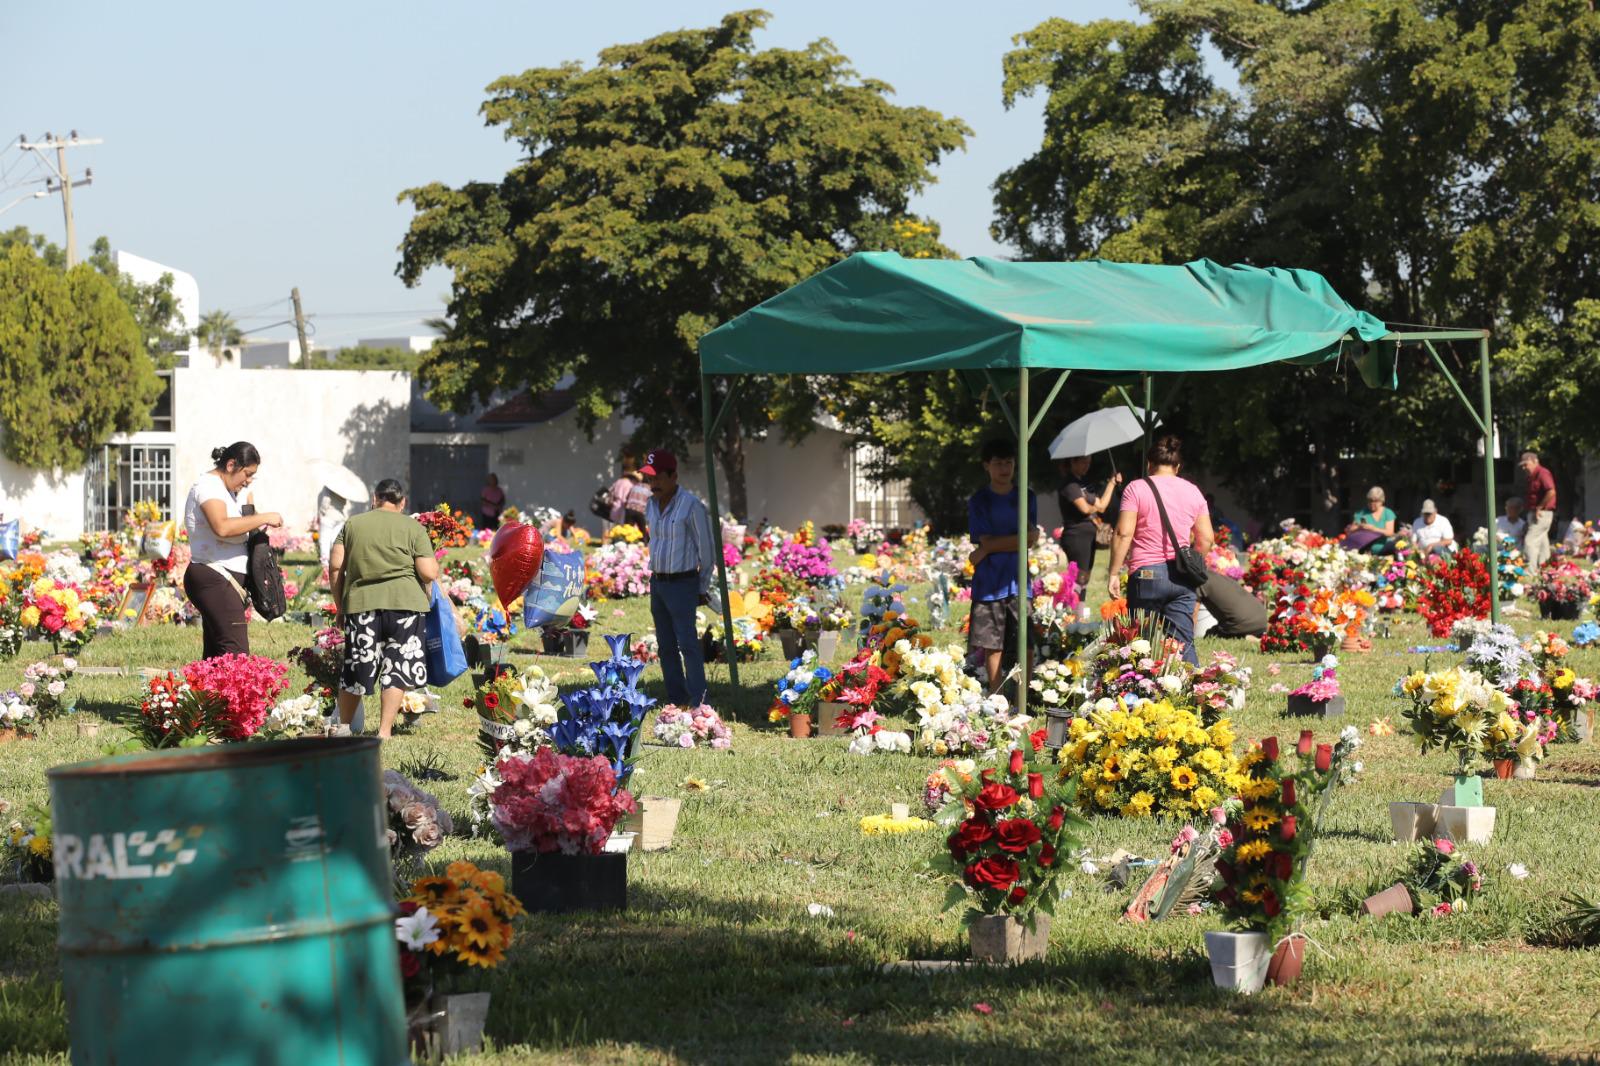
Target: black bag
<point>263,580</point>
<point>600,502</point>
<point>1188,567</point>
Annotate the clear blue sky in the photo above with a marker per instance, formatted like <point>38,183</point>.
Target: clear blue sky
<point>261,146</point>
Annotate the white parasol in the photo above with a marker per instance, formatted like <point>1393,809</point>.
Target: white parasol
<point>1098,431</point>
<point>340,480</point>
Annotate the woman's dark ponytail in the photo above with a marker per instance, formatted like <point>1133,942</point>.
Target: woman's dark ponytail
<point>240,453</point>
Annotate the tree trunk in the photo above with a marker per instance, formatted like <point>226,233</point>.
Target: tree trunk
<point>729,447</point>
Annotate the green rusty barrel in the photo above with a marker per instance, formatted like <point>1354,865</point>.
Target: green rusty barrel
<point>227,906</point>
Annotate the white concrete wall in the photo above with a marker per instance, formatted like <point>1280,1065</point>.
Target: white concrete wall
<point>50,501</point>
<point>358,418</point>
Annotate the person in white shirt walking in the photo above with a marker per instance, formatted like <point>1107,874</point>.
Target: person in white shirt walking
<point>1432,532</point>
<point>682,560</point>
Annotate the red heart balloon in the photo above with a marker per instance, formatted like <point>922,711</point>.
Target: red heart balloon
<point>515,555</point>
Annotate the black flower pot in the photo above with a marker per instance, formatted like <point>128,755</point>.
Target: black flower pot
<point>567,643</point>
<point>1301,705</point>
<point>553,883</point>
<point>1561,610</point>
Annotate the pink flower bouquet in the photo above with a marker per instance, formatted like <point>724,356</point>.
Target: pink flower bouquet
<point>547,802</point>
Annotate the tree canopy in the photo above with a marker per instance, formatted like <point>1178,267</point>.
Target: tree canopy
<point>661,192</point>
<point>1437,160</point>
<point>361,357</point>
<point>73,366</point>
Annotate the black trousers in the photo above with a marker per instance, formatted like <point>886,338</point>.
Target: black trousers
<point>1078,542</point>
<point>222,621</point>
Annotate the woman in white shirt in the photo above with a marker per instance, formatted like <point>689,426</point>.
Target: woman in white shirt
<point>218,530</point>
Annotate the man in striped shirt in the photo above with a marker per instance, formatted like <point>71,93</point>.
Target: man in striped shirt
<point>682,561</point>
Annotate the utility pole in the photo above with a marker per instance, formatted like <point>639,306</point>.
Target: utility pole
<point>300,328</point>
<point>62,181</point>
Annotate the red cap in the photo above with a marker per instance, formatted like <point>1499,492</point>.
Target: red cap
<point>659,461</point>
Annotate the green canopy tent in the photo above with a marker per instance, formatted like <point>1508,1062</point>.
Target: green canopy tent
<point>1003,323</point>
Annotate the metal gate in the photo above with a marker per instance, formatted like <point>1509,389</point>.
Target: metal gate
<point>448,473</point>
<point>886,504</point>
<point>121,475</point>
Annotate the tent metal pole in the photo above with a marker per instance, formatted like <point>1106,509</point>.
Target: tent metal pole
<point>716,518</point>
<point>1023,537</point>
<point>1044,408</point>
<point>1149,415</point>
<point>1454,384</point>
<point>1487,421</point>
<point>1000,398</point>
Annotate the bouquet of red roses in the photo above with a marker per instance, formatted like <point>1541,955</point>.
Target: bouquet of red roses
<point>1014,829</point>
<point>1452,590</point>
<point>548,802</point>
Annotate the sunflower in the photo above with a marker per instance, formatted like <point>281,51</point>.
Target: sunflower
<point>434,890</point>
<point>480,926</point>
<point>486,957</point>
<point>1253,850</point>
<point>1260,819</point>
<point>1184,778</point>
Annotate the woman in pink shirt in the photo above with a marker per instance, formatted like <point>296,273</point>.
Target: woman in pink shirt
<point>1142,541</point>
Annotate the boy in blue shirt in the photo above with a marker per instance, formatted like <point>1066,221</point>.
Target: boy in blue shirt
<point>992,524</point>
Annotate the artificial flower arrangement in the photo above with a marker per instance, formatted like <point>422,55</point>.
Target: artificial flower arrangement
<point>1149,759</point>
<point>1513,569</point>
<point>1013,830</point>
<point>1451,588</point>
<point>44,688</point>
<point>1058,684</point>
<point>224,698</point>
<point>1563,583</point>
<point>301,716</point>
<point>28,844</point>
<point>417,822</point>
<point>686,727</point>
<point>452,924</point>
<point>1134,659</point>
<point>624,533</point>
<point>1466,630</point>
<point>810,562</point>
<point>55,612</point>
<point>446,528</point>
<point>831,618</point>
<point>11,633</point>
<point>516,709</point>
<point>1441,879</point>
<point>1454,710</point>
<point>955,717</point>
<point>800,690</point>
<point>1324,684</point>
<point>17,716</point>
<point>1271,835</point>
<point>321,660</point>
<point>550,802</point>
<point>604,719</point>
<point>1220,686</point>
<point>784,611</point>
<point>617,571</point>
<point>748,640</point>
<point>937,789</point>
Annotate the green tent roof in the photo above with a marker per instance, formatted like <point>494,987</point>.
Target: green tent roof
<point>876,312</point>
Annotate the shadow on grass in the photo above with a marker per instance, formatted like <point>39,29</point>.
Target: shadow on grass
<point>723,985</point>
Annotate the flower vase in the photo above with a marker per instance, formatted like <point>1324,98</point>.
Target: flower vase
<point>1239,960</point>
<point>1583,726</point>
<point>553,883</point>
<point>1303,705</point>
<point>828,712</point>
<point>449,1025</point>
<point>654,821</point>
<point>1287,960</point>
<point>790,639</point>
<point>799,726</point>
<point>1565,610</point>
<point>1396,899</point>
<point>1503,769</point>
<point>1004,939</point>
<point>1413,821</point>
<point>827,644</point>
<point>1351,643</point>
<point>1526,770</point>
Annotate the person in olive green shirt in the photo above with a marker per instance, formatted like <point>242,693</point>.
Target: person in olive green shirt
<point>381,568</point>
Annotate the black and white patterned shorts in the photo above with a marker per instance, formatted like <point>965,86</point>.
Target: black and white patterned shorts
<point>383,649</point>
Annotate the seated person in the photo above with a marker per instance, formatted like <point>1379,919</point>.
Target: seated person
<point>1370,527</point>
<point>1512,524</point>
<point>1432,532</point>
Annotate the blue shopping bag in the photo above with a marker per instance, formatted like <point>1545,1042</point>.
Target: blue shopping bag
<point>10,538</point>
<point>554,594</point>
<point>447,659</point>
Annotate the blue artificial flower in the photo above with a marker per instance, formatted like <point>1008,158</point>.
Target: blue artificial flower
<point>1586,634</point>
<point>822,673</point>
<point>571,736</point>
<point>620,643</point>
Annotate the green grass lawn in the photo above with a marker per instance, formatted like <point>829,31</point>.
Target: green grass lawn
<point>718,960</point>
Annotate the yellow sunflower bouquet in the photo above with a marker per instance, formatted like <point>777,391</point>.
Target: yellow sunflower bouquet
<point>1150,759</point>
<point>453,923</point>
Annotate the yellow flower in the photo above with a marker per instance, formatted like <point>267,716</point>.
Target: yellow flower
<point>1105,795</point>
<point>1139,806</point>
<point>1184,778</point>
<point>40,845</point>
<point>1111,768</point>
<point>29,617</point>
<point>1205,797</point>
<point>1209,760</point>
<point>1260,819</point>
<point>1163,757</point>
<point>1253,850</point>
<point>874,824</point>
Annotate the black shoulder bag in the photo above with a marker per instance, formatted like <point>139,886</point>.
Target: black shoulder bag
<point>263,578</point>
<point>1188,567</point>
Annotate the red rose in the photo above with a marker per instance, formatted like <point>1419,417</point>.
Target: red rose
<point>996,873</point>
<point>1226,897</point>
<point>410,964</point>
<point>969,836</point>
<point>1036,786</point>
<point>1016,834</point>
<point>1270,904</point>
<point>1288,792</point>
<point>1324,757</point>
<point>468,703</point>
<point>1047,855</point>
<point>996,797</point>
<point>1016,760</point>
<point>1018,894</point>
<point>1058,817</point>
<point>1286,830</point>
<point>1304,747</point>
<point>1270,747</point>
<point>1282,865</point>
<point>407,907</point>
<point>1225,871</point>
<point>491,700</point>
<point>1036,738</point>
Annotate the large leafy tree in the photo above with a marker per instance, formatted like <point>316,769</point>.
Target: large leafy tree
<point>664,190</point>
<point>1437,160</point>
<point>73,365</point>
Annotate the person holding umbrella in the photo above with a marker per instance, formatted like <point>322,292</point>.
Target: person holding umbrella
<point>1081,508</point>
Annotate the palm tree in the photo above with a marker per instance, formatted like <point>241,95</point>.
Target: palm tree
<point>217,333</point>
